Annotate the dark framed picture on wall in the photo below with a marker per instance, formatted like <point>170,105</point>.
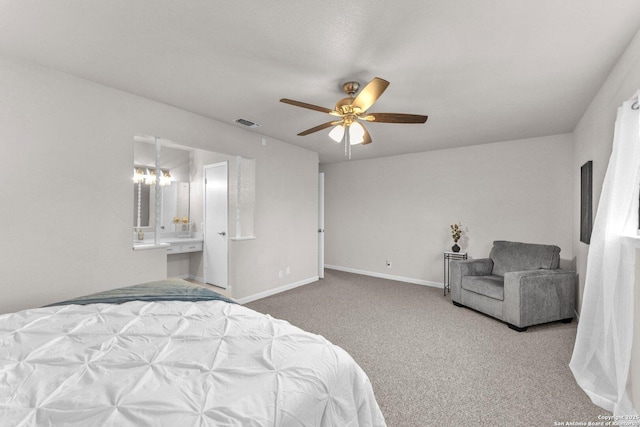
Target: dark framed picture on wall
<point>586,203</point>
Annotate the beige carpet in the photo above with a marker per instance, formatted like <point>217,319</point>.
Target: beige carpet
<point>434,364</point>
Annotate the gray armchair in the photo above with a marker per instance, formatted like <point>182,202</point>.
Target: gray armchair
<point>520,284</point>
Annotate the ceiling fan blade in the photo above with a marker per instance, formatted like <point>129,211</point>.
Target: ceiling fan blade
<point>320,127</point>
<point>305,105</point>
<point>366,137</point>
<point>394,118</point>
<point>370,93</point>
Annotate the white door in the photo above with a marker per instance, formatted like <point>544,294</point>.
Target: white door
<point>216,189</point>
<point>321,225</point>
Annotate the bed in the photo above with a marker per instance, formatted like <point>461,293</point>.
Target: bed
<point>173,354</point>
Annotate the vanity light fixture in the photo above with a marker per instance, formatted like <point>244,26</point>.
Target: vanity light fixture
<point>165,177</point>
<point>150,177</point>
<point>138,175</point>
<point>147,175</point>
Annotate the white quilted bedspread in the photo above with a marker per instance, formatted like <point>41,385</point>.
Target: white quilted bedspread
<point>182,364</point>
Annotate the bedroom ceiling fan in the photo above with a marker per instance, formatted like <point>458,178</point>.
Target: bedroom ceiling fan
<point>350,111</point>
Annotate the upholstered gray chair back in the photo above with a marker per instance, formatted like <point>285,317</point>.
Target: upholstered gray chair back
<point>515,256</point>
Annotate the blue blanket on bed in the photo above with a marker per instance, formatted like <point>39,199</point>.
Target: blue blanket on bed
<point>163,290</point>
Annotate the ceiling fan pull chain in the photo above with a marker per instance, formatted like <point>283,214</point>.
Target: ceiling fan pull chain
<point>347,142</point>
<point>345,138</point>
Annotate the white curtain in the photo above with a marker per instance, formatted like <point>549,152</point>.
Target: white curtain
<point>602,352</point>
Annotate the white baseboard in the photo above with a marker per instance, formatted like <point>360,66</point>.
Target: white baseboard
<point>277,290</point>
<point>385,276</point>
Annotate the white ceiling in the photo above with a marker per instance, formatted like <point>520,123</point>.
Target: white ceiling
<point>483,71</point>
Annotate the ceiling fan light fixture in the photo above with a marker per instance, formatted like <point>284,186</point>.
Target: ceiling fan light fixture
<point>337,133</point>
<point>356,133</point>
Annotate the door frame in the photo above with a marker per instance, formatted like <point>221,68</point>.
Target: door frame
<point>321,225</point>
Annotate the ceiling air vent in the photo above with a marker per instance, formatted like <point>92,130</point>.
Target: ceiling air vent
<point>247,123</point>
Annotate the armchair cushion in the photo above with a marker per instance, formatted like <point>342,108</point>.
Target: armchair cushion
<point>491,286</point>
<point>515,256</point>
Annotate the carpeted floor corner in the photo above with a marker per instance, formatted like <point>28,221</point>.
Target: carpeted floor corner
<point>434,364</point>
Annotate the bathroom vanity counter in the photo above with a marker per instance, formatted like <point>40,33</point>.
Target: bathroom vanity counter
<point>143,245</point>
<point>172,240</point>
<point>179,245</point>
<point>172,244</point>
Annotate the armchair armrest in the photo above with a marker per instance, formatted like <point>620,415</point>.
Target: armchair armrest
<point>538,296</point>
<point>471,267</point>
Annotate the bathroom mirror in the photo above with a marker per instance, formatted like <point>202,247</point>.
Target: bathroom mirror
<point>175,163</point>
<point>175,206</point>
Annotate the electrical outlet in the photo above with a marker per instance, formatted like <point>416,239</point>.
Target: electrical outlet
<point>288,270</point>
<point>280,274</point>
<point>388,264</point>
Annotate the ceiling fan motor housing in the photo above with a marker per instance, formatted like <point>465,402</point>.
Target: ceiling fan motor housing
<point>345,107</point>
<point>350,88</point>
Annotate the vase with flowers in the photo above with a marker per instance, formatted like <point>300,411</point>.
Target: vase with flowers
<point>456,232</point>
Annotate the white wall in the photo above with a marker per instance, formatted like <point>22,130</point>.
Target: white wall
<point>593,138</point>
<point>65,203</point>
<point>400,208</point>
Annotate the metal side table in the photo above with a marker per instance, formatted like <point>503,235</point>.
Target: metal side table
<point>448,256</point>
